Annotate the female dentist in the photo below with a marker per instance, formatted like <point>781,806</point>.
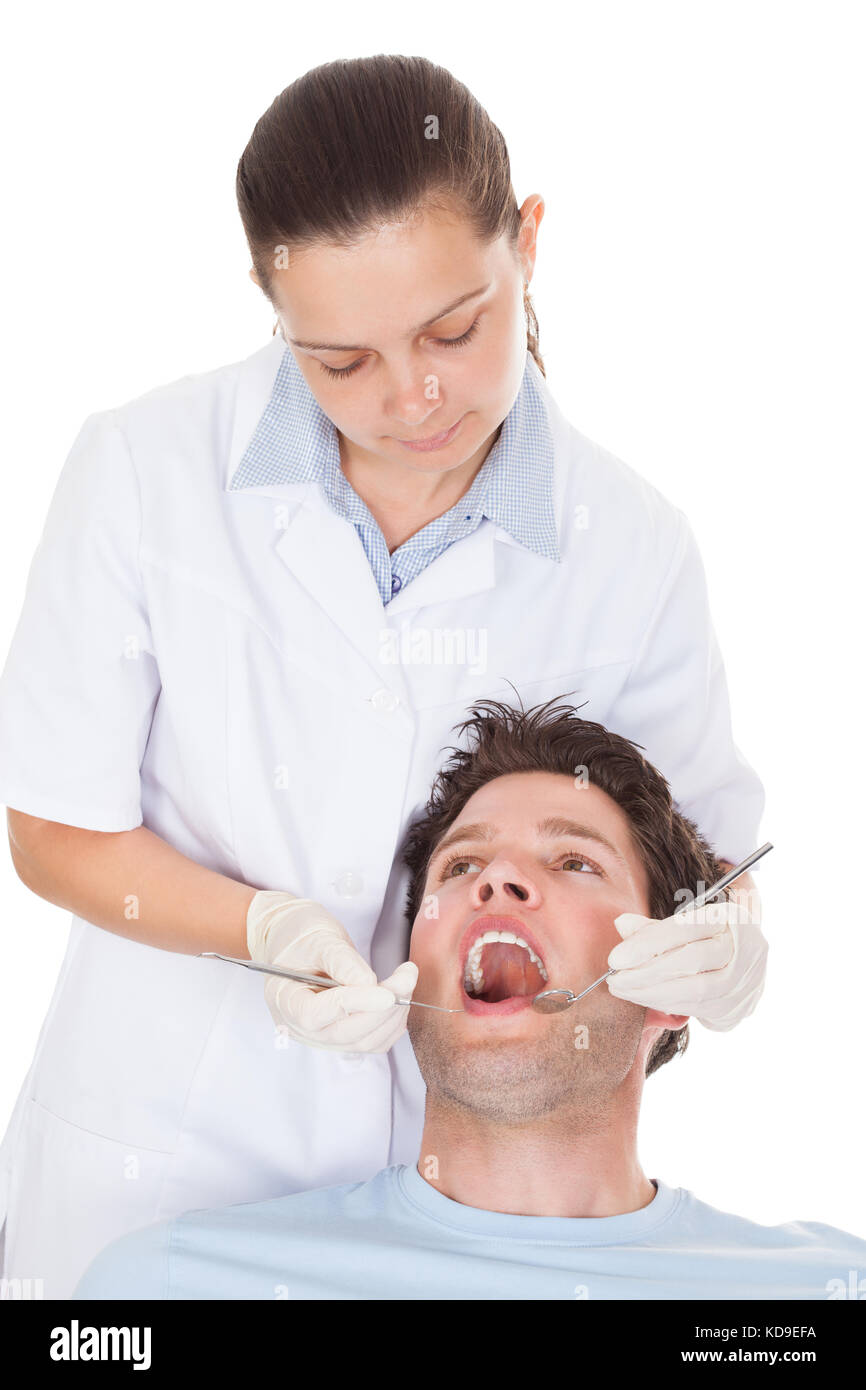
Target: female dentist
<point>263,597</point>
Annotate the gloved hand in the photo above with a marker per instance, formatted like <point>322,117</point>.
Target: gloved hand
<point>707,962</point>
<point>360,1015</point>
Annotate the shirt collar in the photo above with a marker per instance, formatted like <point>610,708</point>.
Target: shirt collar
<point>296,442</point>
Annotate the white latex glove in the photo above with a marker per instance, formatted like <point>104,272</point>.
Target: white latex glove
<point>707,962</point>
<point>299,934</point>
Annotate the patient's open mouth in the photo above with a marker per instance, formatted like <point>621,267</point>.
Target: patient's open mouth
<point>502,964</point>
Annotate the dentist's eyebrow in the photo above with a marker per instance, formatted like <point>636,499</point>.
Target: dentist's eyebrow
<point>344,347</point>
<point>553,827</point>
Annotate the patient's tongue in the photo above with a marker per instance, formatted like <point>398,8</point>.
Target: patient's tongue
<point>508,971</point>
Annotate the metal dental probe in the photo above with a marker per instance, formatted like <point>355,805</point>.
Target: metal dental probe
<point>320,981</point>
<point>554,1001</point>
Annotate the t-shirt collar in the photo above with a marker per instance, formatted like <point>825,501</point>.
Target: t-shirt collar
<point>570,1230</point>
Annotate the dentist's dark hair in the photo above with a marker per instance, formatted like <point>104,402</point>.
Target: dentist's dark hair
<point>554,738</point>
<point>358,142</point>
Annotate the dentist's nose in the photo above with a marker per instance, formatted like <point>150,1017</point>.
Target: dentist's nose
<point>412,413</point>
<point>408,400</point>
<point>502,879</point>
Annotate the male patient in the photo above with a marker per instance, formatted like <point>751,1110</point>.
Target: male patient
<point>537,835</point>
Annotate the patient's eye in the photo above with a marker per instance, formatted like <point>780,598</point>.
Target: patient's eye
<point>584,862</point>
<point>457,861</point>
<point>453,862</point>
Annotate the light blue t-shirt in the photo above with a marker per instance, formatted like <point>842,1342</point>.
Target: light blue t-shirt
<point>396,1237</point>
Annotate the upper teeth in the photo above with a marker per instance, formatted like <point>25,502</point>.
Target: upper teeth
<point>472,975</point>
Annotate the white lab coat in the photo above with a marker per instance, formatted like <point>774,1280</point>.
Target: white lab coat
<point>211,663</point>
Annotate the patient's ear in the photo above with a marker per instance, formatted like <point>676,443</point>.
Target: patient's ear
<point>656,1019</point>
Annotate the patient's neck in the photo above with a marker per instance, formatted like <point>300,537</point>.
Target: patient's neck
<point>568,1163</point>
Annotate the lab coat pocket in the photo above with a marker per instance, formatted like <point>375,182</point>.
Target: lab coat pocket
<point>71,1193</point>
<point>125,1038</point>
<point>594,686</point>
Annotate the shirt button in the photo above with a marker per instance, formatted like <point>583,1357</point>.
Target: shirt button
<point>396,584</point>
<point>384,700</point>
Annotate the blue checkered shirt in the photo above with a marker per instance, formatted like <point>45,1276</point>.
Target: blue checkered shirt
<point>296,442</point>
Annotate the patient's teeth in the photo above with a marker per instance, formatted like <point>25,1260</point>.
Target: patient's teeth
<point>472,975</point>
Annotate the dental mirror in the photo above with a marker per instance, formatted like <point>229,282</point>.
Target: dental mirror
<point>556,1001</point>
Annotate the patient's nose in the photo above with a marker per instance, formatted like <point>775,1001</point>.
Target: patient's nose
<point>505,880</point>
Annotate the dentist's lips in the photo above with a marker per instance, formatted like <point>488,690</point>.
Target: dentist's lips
<point>515,1003</point>
<point>435,441</point>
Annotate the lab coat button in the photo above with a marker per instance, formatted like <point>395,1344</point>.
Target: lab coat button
<point>384,699</point>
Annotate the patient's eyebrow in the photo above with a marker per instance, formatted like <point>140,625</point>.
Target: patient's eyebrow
<point>560,826</point>
<point>479,831</point>
<point>552,827</point>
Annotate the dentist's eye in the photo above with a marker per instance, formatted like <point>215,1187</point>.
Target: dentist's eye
<point>342,371</point>
<point>337,373</point>
<point>464,337</point>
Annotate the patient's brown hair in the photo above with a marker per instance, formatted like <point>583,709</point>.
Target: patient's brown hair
<point>554,738</point>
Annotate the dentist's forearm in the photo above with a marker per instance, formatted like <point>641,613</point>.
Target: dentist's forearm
<point>133,883</point>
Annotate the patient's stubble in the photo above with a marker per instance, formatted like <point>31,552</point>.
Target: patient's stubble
<point>542,1072</point>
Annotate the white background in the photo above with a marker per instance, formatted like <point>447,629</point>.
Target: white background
<point>700,292</point>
